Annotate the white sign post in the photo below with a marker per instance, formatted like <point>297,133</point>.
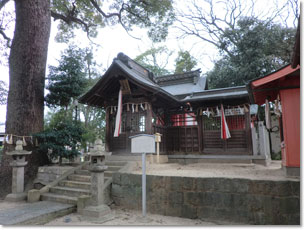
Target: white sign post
<point>143,143</point>
<point>144,184</point>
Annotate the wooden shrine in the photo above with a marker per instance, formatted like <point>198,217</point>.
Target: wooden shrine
<point>178,106</point>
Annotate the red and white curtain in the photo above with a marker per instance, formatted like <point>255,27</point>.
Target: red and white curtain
<point>118,118</point>
<point>225,133</point>
<point>186,119</point>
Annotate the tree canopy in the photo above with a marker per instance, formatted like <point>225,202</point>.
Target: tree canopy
<point>253,49</point>
<point>67,80</point>
<point>184,62</point>
<point>90,15</point>
<point>155,59</point>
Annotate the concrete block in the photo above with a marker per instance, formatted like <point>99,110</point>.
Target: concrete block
<point>292,171</point>
<point>33,196</point>
<point>205,200</point>
<point>175,197</point>
<point>16,197</point>
<point>156,208</point>
<point>205,184</point>
<point>125,179</point>
<point>116,190</point>
<point>223,185</point>
<point>176,183</point>
<point>174,210</point>
<point>158,183</point>
<point>82,202</point>
<point>290,205</point>
<point>136,179</point>
<point>264,162</point>
<point>188,183</point>
<point>295,188</point>
<point>98,214</point>
<point>116,178</point>
<point>227,200</point>
<point>193,198</point>
<point>239,186</point>
<point>205,213</point>
<point>160,196</point>
<point>189,211</point>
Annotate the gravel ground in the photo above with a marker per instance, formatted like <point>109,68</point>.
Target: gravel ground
<point>125,217</point>
<point>249,171</point>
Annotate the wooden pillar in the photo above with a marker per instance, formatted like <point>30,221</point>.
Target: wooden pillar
<point>107,134</point>
<point>248,132</point>
<point>200,132</point>
<point>148,121</point>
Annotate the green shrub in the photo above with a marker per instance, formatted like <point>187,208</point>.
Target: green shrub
<point>61,139</point>
<point>276,156</point>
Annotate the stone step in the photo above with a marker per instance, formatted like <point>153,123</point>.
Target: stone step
<point>59,198</point>
<point>114,168</point>
<point>81,178</point>
<point>69,191</point>
<point>115,163</point>
<point>37,213</point>
<point>124,158</point>
<point>87,167</point>
<point>87,173</point>
<point>75,184</point>
<point>84,172</point>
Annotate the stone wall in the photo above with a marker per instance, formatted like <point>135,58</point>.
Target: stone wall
<point>220,199</point>
<point>47,174</point>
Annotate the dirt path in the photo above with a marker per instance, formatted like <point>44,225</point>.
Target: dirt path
<point>125,217</point>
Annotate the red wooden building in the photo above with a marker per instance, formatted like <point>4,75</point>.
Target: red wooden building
<point>178,106</point>
<point>283,87</point>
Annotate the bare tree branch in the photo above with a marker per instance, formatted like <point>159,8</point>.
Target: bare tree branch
<point>209,20</point>
<point>8,40</point>
<point>97,7</point>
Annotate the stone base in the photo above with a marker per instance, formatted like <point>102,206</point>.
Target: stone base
<point>15,197</point>
<point>292,171</point>
<point>97,214</point>
<point>153,159</point>
<point>265,162</point>
<point>33,196</point>
<point>143,220</point>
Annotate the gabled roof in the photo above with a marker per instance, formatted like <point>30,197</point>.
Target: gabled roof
<point>176,89</point>
<point>268,86</point>
<point>135,74</point>
<point>219,94</point>
<point>178,78</point>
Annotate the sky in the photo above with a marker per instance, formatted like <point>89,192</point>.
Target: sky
<point>113,40</point>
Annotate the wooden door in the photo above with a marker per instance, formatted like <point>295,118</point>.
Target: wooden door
<point>239,142</point>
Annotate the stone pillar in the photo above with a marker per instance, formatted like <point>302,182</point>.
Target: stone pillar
<point>18,165</point>
<point>98,211</point>
<point>97,184</point>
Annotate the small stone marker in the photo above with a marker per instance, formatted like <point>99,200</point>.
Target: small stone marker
<point>18,164</point>
<point>158,140</point>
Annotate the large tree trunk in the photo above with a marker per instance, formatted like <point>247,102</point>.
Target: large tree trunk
<point>27,67</point>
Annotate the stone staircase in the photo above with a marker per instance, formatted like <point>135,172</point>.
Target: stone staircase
<point>78,184</point>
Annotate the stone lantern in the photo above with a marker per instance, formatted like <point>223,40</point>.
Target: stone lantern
<point>97,169</point>
<point>18,164</point>
<point>98,211</point>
